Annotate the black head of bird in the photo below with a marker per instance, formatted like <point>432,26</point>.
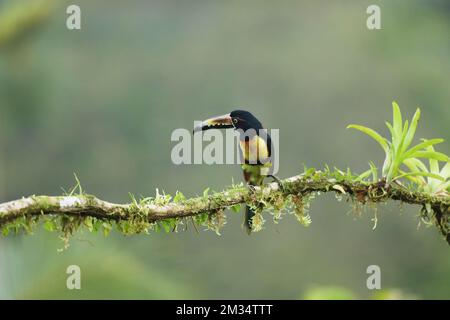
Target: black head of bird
<point>237,119</point>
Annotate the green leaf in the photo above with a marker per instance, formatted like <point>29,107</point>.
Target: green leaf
<point>374,171</point>
<point>389,168</point>
<point>443,186</point>
<point>434,168</point>
<point>387,162</point>
<point>205,193</point>
<point>364,175</point>
<point>309,171</point>
<point>412,130</point>
<point>430,155</point>
<point>397,121</point>
<point>391,130</point>
<point>434,164</point>
<point>413,166</point>
<point>445,172</point>
<point>133,199</point>
<point>77,186</point>
<point>372,133</point>
<point>418,173</point>
<point>349,173</point>
<point>399,148</point>
<point>416,164</point>
<point>420,181</point>
<point>421,146</point>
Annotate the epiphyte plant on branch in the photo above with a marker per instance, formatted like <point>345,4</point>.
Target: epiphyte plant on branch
<point>404,178</point>
<point>398,153</point>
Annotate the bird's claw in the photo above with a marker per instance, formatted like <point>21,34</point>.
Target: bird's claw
<point>277,180</point>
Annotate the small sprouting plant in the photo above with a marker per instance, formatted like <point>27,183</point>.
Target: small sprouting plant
<point>398,150</point>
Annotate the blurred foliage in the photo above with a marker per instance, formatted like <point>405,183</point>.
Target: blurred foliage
<point>20,20</point>
<point>393,294</point>
<point>328,293</point>
<point>103,101</point>
<point>118,273</point>
<point>341,293</point>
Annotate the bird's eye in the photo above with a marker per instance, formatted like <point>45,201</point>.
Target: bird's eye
<point>235,120</point>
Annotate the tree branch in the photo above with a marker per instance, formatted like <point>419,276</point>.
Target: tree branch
<point>150,211</point>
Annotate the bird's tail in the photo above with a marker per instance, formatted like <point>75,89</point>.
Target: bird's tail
<point>249,214</point>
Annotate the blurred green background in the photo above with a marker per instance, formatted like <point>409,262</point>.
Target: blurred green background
<point>103,101</point>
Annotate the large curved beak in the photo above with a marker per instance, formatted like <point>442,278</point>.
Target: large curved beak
<point>221,122</point>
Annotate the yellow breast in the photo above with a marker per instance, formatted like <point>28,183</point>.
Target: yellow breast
<point>254,150</point>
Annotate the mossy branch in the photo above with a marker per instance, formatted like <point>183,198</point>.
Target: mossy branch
<point>69,212</point>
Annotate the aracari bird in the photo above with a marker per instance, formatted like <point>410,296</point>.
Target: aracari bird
<point>256,148</point>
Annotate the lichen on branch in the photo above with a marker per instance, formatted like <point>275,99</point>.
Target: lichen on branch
<point>73,211</point>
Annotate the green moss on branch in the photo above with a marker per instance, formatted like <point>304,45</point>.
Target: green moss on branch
<point>69,213</point>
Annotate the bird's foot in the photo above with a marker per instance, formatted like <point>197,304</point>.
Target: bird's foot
<point>277,180</point>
